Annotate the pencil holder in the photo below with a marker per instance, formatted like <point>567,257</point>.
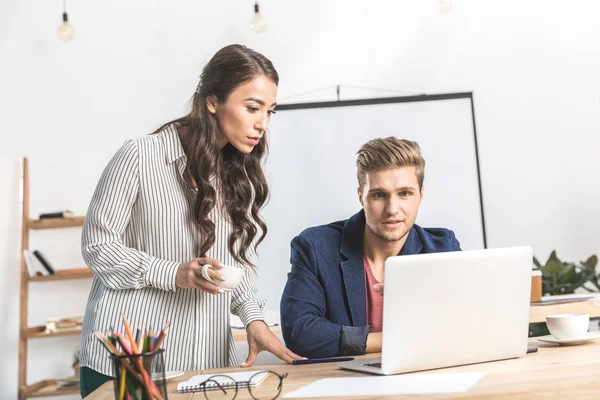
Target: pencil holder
<point>140,376</point>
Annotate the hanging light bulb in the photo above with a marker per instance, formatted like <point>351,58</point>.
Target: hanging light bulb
<point>258,23</point>
<point>66,32</point>
<point>444,6</point>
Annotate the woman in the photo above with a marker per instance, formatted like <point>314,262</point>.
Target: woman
<point>171,202</point>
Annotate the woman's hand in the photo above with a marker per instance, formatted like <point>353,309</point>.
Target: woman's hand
<point>260,338</point>
<point>189,275</point>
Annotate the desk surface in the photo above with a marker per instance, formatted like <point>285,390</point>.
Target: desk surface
<point>565,304</point>
<point>239,334</point>
<point>554,372</point>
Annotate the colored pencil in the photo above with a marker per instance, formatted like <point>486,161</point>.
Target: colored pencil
<point>129,334</point>
<point>122,383</point>
<point>140,343</point>
<point>106,343</point>
<point>147,381</point>
<point>161,336</point>
<point>133,347</point>
<point>132,390</point>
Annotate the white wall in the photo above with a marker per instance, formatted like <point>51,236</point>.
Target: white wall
<point>532,65</point>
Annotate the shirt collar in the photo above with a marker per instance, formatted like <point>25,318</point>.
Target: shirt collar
<point>173,147</point>
<point>413,244</point>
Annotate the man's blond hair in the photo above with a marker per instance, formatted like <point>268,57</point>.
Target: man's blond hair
<point>390,152</point>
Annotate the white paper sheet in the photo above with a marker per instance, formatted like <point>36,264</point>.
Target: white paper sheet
<point>389,385</point>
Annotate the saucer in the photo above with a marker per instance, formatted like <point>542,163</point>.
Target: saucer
<point>168,375</point>
<point>585,338</point>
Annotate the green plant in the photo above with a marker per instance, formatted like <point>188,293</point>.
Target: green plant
<point>561,277</point>
<point>592,262</point>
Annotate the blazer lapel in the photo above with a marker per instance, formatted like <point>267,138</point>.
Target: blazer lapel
<point>413,244</point>
<point>353,271</point>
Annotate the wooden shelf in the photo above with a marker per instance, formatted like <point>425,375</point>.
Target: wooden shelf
<point>48,387</point>
<point>51,223</point>
<point>64,275</point>
<point>39,332</point>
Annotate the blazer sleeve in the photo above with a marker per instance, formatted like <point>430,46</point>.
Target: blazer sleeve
<point>454,243</point>
<point>306,330</point>
<point>114,264</point>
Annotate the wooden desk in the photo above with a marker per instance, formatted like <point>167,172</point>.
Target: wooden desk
<point>539,311</point>
<point>554,372</point>
<point>239,334</point>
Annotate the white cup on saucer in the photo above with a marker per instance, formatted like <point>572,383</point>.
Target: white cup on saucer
<point>233,276</point>
<point>568,326</point>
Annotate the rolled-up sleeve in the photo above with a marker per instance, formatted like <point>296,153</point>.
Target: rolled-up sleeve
<point>354,340</point>
<point>244,302</point>
<point>114,264</point>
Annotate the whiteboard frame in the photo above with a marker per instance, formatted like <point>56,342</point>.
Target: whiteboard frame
<point>406,99</point>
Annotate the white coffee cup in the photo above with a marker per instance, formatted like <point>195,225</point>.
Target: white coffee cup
<point>233,276</point>
<point>568,326</point>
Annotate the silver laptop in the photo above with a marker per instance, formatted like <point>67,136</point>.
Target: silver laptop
<point>449,309</point>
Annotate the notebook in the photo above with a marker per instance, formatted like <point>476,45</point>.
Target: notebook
<point>194,384</point>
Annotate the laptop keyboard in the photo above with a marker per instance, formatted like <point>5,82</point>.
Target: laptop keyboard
<point>375,365</point>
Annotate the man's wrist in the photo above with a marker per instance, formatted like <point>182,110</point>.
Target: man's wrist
<point>374,340</point>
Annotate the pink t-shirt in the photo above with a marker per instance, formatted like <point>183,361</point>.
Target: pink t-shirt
<point>374,300</point>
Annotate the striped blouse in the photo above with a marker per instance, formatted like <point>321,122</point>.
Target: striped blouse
<point>138,230</point>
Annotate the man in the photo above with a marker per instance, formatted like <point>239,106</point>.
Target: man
<point>333,301</point>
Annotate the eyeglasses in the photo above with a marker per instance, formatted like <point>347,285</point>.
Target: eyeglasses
<point>264,385</point>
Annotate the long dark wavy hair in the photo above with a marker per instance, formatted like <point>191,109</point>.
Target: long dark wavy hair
<point>240,178</point>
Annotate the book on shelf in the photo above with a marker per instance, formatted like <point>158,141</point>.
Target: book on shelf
<point>56,325</point>
<point>34,266</point>
<point>44,262</point>
<point>57,214</point>
<point>29,263</point>
<point>68,382</point>
<point>59,330</point>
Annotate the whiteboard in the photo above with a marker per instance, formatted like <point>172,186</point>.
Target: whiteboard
<point>311,169</point>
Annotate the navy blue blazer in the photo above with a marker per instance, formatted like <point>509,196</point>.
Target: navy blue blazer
<point>323,306</point>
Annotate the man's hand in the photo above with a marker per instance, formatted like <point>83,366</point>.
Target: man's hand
<point>189,275</point>
<point>260,338</point>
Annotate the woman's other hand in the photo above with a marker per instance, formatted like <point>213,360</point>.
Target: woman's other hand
<point>260,338</point>
<point>189,275</point>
